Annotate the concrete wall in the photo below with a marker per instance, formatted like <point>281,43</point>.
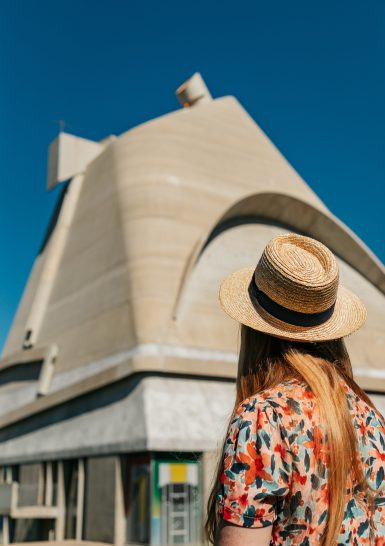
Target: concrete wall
<point>99,514</point>
<point>160,216</point>
<point>29,478</point>
<point>147,203</point>
<point>156,413</point>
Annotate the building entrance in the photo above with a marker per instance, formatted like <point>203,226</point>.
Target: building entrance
<point>178,514</point>
<point>163,499</point>
<point>178,485</point>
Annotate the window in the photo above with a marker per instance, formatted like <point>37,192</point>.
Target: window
<point>138,500</point>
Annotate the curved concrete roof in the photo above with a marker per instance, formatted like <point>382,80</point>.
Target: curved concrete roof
<point>303,217</point>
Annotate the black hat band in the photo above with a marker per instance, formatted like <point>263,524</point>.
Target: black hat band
<point>296,318</point>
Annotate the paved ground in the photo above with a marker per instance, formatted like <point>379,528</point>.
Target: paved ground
<point>62,543</point>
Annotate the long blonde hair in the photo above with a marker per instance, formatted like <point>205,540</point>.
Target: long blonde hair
<point>266,361</point>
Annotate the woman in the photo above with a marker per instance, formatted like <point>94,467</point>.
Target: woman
<point>304,457</point>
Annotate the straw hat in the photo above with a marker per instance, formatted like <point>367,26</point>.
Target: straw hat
<point>293,293</point>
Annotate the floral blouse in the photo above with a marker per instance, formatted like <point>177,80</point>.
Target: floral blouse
<point>275,468</point>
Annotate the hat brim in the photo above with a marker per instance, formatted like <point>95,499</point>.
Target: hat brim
<point>348,316</point>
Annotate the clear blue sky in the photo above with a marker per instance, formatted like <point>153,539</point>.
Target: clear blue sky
<point>312,74</point>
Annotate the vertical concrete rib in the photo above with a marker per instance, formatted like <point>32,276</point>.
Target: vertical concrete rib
<point>55,251</point>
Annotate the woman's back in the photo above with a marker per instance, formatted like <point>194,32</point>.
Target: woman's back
<point>276,468</point>
<point>292,465</point>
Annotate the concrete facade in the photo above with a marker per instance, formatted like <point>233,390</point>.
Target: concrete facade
<point>119,347</point>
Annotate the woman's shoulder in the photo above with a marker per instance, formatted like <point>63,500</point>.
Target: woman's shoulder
<point>360,407</point>
<point>291,396</point>
<point>292,407</point>
<point>295,395</point>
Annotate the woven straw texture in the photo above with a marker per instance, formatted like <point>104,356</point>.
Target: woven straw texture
<point>301,274</point>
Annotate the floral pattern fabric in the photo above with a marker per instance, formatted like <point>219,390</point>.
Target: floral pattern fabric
<point>275,468</point>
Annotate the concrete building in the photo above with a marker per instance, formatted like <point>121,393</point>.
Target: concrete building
<point>117,377</point>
